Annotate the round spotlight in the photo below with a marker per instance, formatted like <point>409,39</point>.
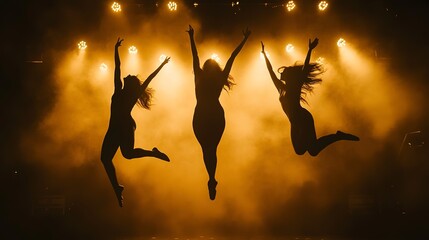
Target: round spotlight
<point>341,42</point>
<point>196,4</point>
<point>215,57</point>
<point>116,7</point>
<point>162,58</point>
<point>132,50</point>
<point>289,48</point>
<point>103,67</point>
<point>323,5</point>
<point>290,5</point>
<point>82,45</point>
<point>172,6</point>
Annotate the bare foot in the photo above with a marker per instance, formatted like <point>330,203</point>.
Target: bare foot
<point>212,189</point>
<point>118,192</point>
<point>160,154</point>
<point>347,136</point>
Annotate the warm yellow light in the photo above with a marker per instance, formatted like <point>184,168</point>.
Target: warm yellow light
<point>290,5</point>
<point>341,42</point>
<point>289,48</point>
<point>320,60</point>
<point>162,58</point>
<point>261,55</point>
<point>132,50</point>
<point>172,6</point>
<point>82,45</point>
<point>215,57</point>
<point>103,67</point>
<point>323,5</point>
<point>196,4</point>
<point>235,3</point>
<point>116,7</point>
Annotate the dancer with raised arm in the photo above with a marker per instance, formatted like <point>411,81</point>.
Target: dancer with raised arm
<point>120,133</point>
<point>294,83</point>
<point>209,119</point>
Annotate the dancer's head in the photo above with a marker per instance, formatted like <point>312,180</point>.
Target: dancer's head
<point>296,76</point>
<point>213,71</point>
<point>132,85</point>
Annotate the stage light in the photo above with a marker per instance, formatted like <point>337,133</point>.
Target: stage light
<point>132,50</point>
<point>116,7</point>
<point>162,58</point>
<point>235,4</point>
<point>289,48</point>
<point>215,57</point>
<point>323,5</point>
<point>172,6</point>
<point>341,42</point>
<point>290,6</point>
<point>82,45</point>
<point>103,67</point>
<point>196,4</point>
<point>320,60</point>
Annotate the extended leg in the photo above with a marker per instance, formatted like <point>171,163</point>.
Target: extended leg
<point>210,161</point>
<point>316,147</point>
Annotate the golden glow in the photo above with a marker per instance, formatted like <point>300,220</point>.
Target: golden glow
<point>323,5</point>
<point>215,57</point>
<point>290,6</point>
<point>172,6</point>
<point>289,48</point>
<point>82,45</point>
<point>196,4</point>
<point>116,7</point>
<point>235,3</point>
<point>320,60</point>
<point>103,67</point>
<point>132,50</point>
<point>341,42</point>
<point>261,55</point>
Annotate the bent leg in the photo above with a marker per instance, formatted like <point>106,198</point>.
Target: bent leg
<point>108,150</point>
<point>316,147</point>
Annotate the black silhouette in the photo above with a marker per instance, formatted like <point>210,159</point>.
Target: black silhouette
<point>120,133</point>
<point>294,83</point>
<point>209,119</point>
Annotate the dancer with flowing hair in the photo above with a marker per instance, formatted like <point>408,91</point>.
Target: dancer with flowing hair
<point>120,133</point>
<point>294,83</point>
<point>209,117</point>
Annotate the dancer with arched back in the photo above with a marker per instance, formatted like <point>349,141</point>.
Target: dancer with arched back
<point>209,119</point>
<point>120,133</point>
<point>294,83</point>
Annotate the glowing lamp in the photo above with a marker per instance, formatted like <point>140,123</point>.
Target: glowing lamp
<point>116,7</point>
<point>215,57</point>
<point>172,6</point>
<point>341,42</point>
<point>289,48</point>
<point>290,5</point>
<point>323,5</point>
<point>132,50</point>
<point>103,67</point>
<point>82,45</point>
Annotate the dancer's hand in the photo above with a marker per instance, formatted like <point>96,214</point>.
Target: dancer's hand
<point>166,60</point>
<point>312,44</point>
<point>118,42</point>
<point>263,48</point>
<point>190,31</point>
<point>246,33</point>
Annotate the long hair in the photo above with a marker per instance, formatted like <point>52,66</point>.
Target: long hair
<point>305,79</point>
<point>144,98</point>
<point>213,70</point>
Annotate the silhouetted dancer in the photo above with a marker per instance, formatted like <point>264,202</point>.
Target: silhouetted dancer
<point>294,83</point>
<point>120,133</point>
<point>209,119</point>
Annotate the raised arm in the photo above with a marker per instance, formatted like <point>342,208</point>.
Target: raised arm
<point>228,66</point>
<point>151,76</point>
<point>279,85</point>
<point>311,46</point>
<point>117,78</point>
<point>196,60</point>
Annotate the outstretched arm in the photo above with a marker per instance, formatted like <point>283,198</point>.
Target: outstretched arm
<point>149,79</point>
<point>117,78</point>
<point>228,66</point>
<point>276,81</point>
<point>196,60</point>
<point>311,46</point>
